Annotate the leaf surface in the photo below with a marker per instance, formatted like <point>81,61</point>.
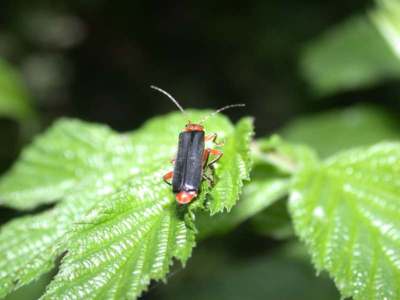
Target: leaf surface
<point>347,212</point>
<point>116,223</point>
<point>234,170</point>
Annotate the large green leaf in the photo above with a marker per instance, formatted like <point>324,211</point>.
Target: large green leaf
<point>128,241</point>
<point>336,130</point>
<point>351,55</point>
<point>117,222</point>
<point>348,212</point>
<point>14,99</point>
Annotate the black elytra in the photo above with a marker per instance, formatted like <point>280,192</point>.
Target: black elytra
<point>188,170</point>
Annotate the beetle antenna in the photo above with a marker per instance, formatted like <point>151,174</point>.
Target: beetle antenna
<point>221,109</point>
<point>169,96</point>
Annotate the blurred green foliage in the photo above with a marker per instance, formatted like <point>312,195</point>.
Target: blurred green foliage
<point>274,222</point>
<point>14,97</point>
<point>340,129</point>
<point>215,275</point>
<point>349,56</point>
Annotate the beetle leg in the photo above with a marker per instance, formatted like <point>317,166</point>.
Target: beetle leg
<point>206,155</point>
<point>209,179</point>
<point>213,138</point>
<point>167,177</point>
<point>218,154</point>
<point>210,137</point>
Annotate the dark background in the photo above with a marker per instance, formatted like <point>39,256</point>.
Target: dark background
<point>96,59</point>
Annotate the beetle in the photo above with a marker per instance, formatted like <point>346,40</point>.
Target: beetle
<point>193,157</point>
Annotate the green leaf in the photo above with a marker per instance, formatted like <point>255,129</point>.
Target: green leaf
<point>351,55</point>
<point>274,162</point>
<point>330,132</point>
<point>234,169</point>
<point>387,19</point>
<point>69,154</point>
<point>347,211</point>
<point>130,240</point>
<point>30,245</point>
<point>116,222</point>
<point>14,99</point>
<point>256,196</point>
<point>267,185</point>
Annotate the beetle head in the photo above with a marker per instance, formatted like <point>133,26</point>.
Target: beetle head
<point>194,127</point>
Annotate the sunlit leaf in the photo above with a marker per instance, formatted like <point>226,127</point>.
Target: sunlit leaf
<point>348,212</point>
<point>69,154</point>
<point>234,169</point>
<point>116,224</point>
<point>131,240</point>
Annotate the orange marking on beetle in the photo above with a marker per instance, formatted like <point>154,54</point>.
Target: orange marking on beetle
<point>194,127</point>
<point>214,151</point>
<point>185,197</point>
<point>169,175</point>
